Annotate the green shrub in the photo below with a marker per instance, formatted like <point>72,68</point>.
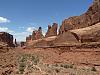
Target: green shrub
<point>23,59</point>
<point>35,60</point>
<point>22,67</point>
<point>93,69</point>
<point>21,70</point>
<point>56,65</point>
<point>66,66</point>
<point>61,65</point>
<point>57,70</point>
<point>70,66</point>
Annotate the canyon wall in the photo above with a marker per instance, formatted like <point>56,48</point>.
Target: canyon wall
<point>91,17</point>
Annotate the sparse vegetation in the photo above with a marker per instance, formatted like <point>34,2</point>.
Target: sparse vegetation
<point>93,69</point>
<point>35,60</point>
<point>71,74</point>
<point>56,65</point>
<point>66,65</point>
<point>71,66</point>
<point>23,62</point>
<point>22,67</point>
<point>57,70</point>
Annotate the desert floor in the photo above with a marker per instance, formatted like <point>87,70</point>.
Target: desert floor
<point>50,61</point>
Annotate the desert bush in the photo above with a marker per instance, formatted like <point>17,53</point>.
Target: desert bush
<point>66,66</point>
<point>56,65</point>
<point>61,65</point>
<point>93,69</point>
<point>35,60</point>
<point>25,60</point>
<point>71,66</point>
<point>21,68</point>
<point>71,74</point>
<point>57,70</point>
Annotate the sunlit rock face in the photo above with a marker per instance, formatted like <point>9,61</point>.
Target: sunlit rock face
<point>36,34</point>
<point>52,30</point>
<point>91,17</point>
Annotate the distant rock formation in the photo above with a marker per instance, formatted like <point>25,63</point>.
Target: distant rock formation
<point>91,17</point>
<point>29,38</point>
<point>37,34</point>
<point>15,43</point>
<point>22,44</point>
<point>6,38</point>
<point>52,31</point>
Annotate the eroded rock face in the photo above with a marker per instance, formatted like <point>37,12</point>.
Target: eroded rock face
<point>29,38</point>
<point>6,38</point>
<point>37,34</point>
<point>52,31</point>
<point>66,37</point>
<point>91,17</point>
<point>22,44</point>
<point>88,34</point>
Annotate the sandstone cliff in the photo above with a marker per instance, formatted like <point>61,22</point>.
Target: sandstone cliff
<point>91,17</point>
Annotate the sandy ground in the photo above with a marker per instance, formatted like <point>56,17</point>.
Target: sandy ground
<point>52,61</point>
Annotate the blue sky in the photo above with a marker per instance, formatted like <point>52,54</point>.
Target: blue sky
<point>21,17</point>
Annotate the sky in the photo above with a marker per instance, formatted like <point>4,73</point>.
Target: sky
<point>21,17</point>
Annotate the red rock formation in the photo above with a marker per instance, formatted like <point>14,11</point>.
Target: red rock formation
<point>52,31</point>
<point>88,34</point>
<point>37,34</point>
<point>66,37</point>
<point>33,35</point>
<point>15,42</point>
<point>29,38</point>
<point>91,17</point>
<point>22,44</point>
<point>6,38</point>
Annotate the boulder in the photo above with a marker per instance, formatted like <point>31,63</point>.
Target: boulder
<point>91,17</point>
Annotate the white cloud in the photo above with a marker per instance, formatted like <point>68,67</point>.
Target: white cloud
<point>4,20</point>
<point>5,29</point>
<point>21,36</point>
<point>30,29</point>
